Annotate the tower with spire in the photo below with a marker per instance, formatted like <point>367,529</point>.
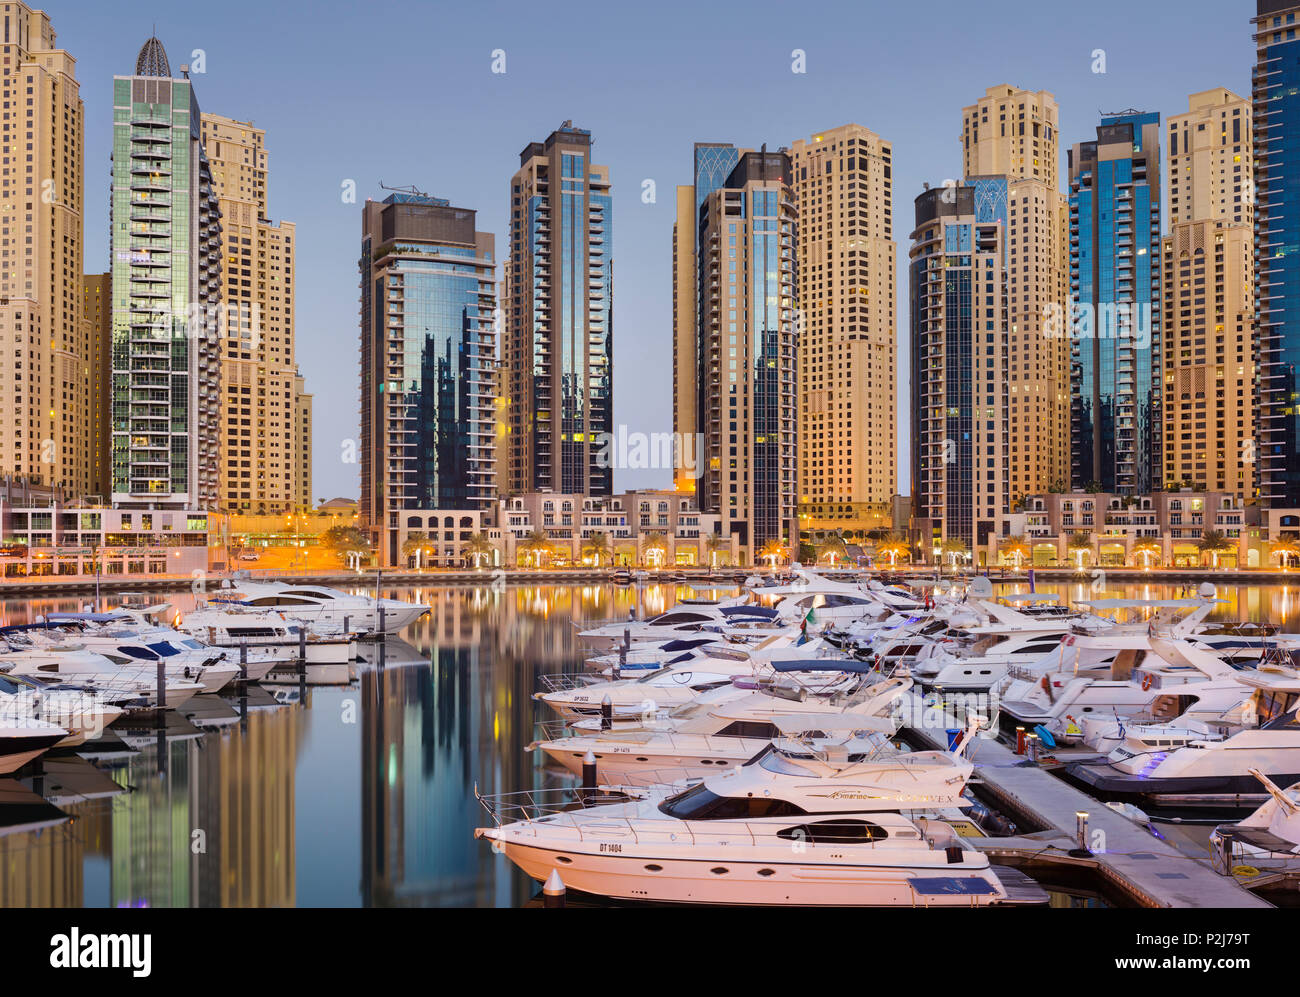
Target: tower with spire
<point>166,278</point>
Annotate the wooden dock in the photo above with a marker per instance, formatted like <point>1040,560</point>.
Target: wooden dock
<point>1153,872</point>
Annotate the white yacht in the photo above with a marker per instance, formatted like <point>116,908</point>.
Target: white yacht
<point>720,729</point>
<point>318,604</point>
<point>1211,768</point>
<point>647,657</point>
<point>97,672</point>
<point>1270,837</point>
<point>1114,676</point>
<point>575,696</point>
<point>277,636</point>
<point>23,739</point>
<point>680,621</point>
<point>83,713</point>
<point>804,823</point>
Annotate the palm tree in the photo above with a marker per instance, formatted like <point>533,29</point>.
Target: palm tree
<point>714,544</point>
<point>1080,545</point>
<point>1211,542</point>
<point>1284,550</point>
<point>1015,546</point>
<point>772,551</point>
<point>476,546</point>
<point>833,547</point>
<point>597,545</point>
<point>656,541</point>
<point>954,547</point>
<point>535,546</point>
<point>417,545</point>
<point>1147,549</point>
<point>893,546</point>
<point>345,541</point>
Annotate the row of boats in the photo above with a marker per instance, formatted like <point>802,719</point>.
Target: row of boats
<point>68,676</point>
<point>747,751</point>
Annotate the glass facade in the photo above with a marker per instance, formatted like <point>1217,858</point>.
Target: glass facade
<point>165,234</point>
<point>1115,299</point>
<point>1276,93</point>
<point>428,349</point>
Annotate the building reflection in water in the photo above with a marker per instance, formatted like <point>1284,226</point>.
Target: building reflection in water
<point>449,707</point>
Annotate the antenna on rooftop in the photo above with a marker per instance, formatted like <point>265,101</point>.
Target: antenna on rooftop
<point>410,189</point>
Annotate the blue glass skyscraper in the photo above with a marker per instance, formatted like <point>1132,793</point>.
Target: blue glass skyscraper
<point>1276,92</point>
<point>1116,302</point>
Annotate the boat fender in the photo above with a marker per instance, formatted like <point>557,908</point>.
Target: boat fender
<point>1045,736</point>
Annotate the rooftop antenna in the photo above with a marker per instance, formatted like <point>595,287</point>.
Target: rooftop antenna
<point>410,189</point>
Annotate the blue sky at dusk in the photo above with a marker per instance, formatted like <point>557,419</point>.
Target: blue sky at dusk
<point>405,94</point>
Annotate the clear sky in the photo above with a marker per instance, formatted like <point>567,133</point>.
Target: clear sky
<point>405,94</point>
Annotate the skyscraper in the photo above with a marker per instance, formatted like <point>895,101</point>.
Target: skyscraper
<point>428,341</point>
<point>559,328</point>
<point>1012,133</point>
<point>848,396</point>
<point>1209,310</point>
<point>746,403</point>
<point>1276,96</point>
<point>167,322</point>
<point>711,165</point>
<point>1116,299</point>
<point>46,348</point>
<point>960,357</point>
<point>261,392</point>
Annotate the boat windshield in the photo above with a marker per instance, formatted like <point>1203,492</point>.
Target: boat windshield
<point>701,803</point>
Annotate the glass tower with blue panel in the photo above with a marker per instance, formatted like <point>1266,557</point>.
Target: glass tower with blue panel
<point>1276,98</point>
<point>428,283</point>
<point>1115,300</point>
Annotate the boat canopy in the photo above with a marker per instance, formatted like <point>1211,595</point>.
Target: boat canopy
<point>113,617</point>
<point>822,665</point>
<point>684,644</point>
<point>765,612</point>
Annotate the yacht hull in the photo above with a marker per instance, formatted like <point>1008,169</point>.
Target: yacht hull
<point>776,883</point>
<point>20,747</point>
<point>1228,793</point>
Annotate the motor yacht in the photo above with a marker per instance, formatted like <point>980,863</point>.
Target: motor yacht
<point>575,696</point>
<point>805,822</point>
<point>722,728</point>
<point>83,713</point>
<point>1268,838</point>
<point>648,657</point>
<point>1114,676</point>
<point>97,672</point>
<point>680,621</point>
<point>318,604</point>
<point>23,739</point>
<point>1208,767</point>
<point>276,635</point>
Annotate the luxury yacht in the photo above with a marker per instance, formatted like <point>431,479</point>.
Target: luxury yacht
<point>575,696</point>
<point>680,621</point>
<point>1270,837</point>
<point>648,657</point>
<point>25,738</point>
<point>98,673</point>
<point>276,635</point>
<point>1211,766</point>
<point>722,728</point>
<point>83,713</point>
<point>1114,676</point>
<point>805,822</point>
<point>320,605</point>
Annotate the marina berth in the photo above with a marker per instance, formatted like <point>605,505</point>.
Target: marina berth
<point>274,636</point>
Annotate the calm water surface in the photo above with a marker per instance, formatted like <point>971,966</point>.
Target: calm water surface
<point>357,795</point>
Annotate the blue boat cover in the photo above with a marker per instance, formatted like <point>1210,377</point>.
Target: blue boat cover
<point>685,645</point>
<point>950,886</point>
<point>822,665</point>
<point>763,612</point>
